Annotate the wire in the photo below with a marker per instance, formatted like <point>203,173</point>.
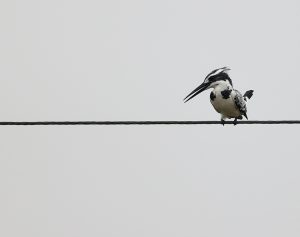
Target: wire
<point>47,123</point>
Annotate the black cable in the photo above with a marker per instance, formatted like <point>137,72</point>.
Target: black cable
<point>46,123</point>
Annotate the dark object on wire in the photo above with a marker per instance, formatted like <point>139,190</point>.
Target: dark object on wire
<point>226,100</point>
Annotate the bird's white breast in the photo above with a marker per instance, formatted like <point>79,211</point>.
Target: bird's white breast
<point>226,107</point>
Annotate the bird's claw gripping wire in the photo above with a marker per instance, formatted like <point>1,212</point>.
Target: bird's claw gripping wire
<point>223,122</point>
<point>235,122</point>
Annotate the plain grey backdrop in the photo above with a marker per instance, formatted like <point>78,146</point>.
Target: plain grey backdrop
<point>137,60</point>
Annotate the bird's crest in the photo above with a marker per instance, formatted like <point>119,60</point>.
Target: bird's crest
<point>218,74</point>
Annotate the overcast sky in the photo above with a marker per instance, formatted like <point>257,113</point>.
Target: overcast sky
<point>137,60</point>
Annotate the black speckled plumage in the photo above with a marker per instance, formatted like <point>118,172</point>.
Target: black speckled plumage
<point>240,103</point>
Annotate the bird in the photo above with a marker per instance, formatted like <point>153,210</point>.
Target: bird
<point>226,100</point>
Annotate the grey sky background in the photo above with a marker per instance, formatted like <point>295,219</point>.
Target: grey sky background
<point>137,60</point>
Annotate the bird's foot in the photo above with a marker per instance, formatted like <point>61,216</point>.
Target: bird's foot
<point>235,121</point>
<point>223,122</point>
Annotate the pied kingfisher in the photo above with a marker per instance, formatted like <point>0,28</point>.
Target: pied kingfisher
<point>230,103</point>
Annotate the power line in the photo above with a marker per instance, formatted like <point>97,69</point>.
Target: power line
<point>47,123</point>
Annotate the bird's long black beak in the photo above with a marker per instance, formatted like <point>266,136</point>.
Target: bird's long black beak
<point>197,91</point>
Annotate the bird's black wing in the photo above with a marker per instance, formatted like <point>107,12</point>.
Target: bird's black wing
<point>240,103</point>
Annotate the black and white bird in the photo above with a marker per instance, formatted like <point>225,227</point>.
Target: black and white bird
<point>230,103</point>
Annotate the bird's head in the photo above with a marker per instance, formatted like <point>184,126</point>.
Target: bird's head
<point>215,78</point>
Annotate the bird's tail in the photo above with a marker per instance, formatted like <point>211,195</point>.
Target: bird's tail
<point>248,95</point>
